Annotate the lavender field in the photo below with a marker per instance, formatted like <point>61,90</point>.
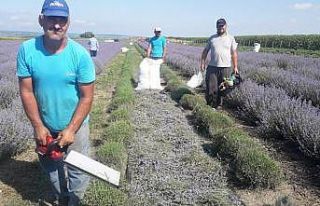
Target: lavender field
<point>15,129</point>
<point>281,94</point>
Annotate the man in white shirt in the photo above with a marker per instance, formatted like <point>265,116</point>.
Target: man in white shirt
<point>223,49</point>
<point>94,46</point>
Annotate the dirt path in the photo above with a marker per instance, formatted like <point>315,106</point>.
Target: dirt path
<point>169,162</point>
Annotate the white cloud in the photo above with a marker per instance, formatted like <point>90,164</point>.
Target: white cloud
<point>303,6</point>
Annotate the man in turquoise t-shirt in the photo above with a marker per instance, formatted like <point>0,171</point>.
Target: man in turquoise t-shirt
<point>156,54</point>
<point>157,48</point>
<point>56,79</point>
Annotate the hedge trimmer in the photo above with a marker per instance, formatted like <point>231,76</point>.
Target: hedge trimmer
<point>53,151</point>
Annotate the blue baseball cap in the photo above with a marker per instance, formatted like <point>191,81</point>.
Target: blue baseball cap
<point>55,8</point>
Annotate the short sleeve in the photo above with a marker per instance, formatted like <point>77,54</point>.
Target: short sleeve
<point>208,46</point>
<point>164,42</point>
<point>234,44</point>
<point>23,69</point>
<point>86,71</point>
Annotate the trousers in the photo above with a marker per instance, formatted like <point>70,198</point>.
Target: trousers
<point>214,77</point>
<point>68,183</point>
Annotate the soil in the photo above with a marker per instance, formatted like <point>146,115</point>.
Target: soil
<point>21,180</point>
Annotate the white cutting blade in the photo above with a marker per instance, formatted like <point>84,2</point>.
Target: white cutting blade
<point>93,167</point>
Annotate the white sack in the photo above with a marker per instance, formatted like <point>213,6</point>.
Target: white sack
<point>196,80</point>
<point>149,76</point>
<point>124,49</point>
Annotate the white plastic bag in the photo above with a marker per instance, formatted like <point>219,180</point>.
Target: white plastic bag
<point>196,80</point>
<point>124,49</point>
<point>149,76</point>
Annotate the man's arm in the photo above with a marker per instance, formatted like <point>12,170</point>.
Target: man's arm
<point>203,58</point>
<point>31,108</point>
<point>82,110</point>
<point>235,61</point>
<point>149,51</point>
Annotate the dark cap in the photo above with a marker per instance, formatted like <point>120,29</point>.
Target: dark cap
<point>221,22</point>
<point>55,8</point>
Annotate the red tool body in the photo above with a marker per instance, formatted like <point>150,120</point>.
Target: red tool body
<point>51,149</point>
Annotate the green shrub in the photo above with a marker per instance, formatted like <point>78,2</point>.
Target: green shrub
<point>189,101</point>
<point>113,154</point>
<point>118,131</point>
<point>119,114</point>
<point>212,120</point>
<point>173,81</point>
<point>124,96</point>
<point>101,193</point>
<point>252,164</point>
<point>179,92</point>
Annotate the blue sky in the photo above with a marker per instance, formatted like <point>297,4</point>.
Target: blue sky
<point>176,17</point>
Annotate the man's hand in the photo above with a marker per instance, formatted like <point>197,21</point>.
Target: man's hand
<point>41,135</point>
<point>164,60</point>
<point>66,137</point>
<point>202,67</point>
<point>235,69</point>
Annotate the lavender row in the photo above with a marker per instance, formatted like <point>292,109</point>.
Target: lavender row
<point>8,80</point>
<point>8,52</point>
<point>295,85</point>
<point>279,115</point>
<point>304,66</point>
<point>15,130</point>
<point>106,52</point>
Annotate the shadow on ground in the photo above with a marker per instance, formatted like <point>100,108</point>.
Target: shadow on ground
<point>26,178</point>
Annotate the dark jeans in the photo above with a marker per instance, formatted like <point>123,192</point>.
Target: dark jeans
<point>93,53</point>
<point>214,77</point>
